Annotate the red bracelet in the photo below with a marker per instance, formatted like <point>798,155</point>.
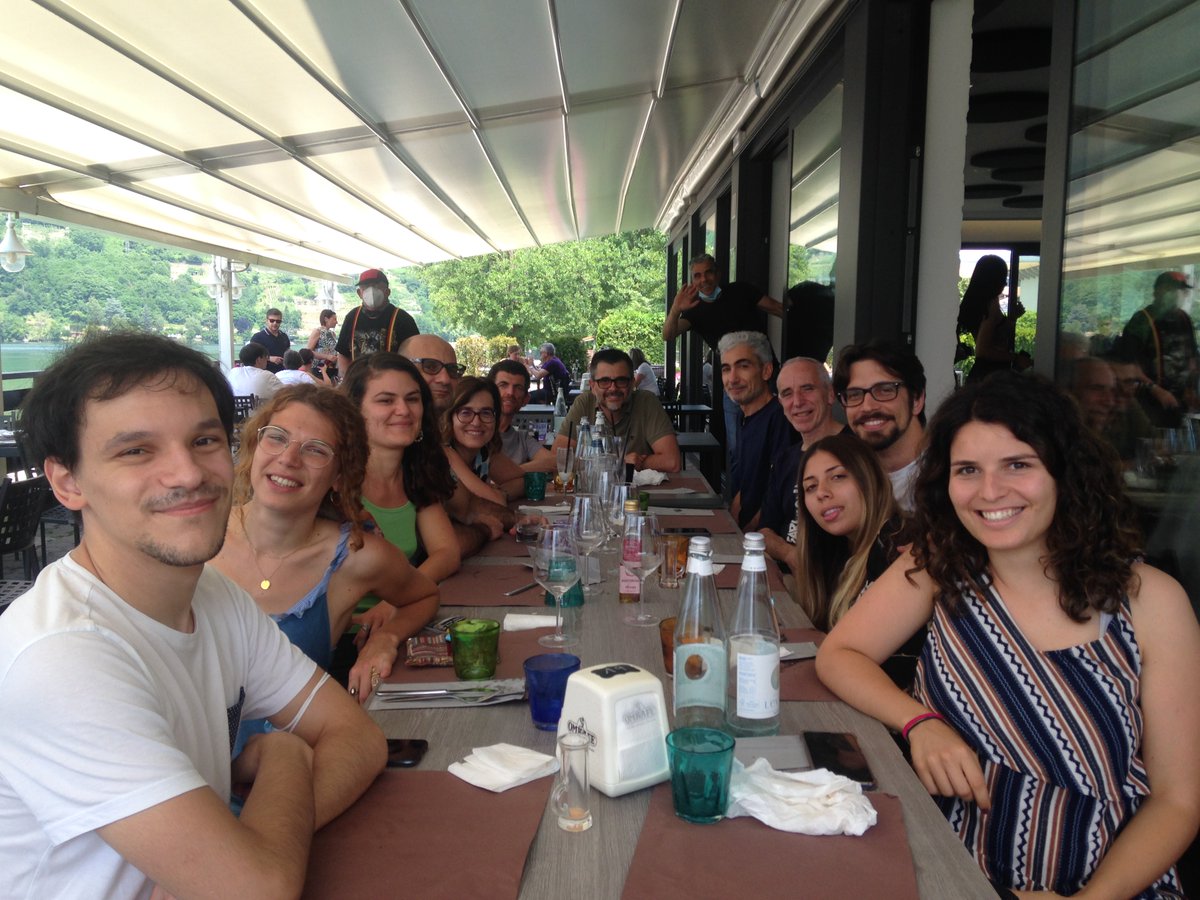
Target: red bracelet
<point>917,720</point>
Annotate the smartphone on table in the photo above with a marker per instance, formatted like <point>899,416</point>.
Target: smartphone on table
<point>405,752</point>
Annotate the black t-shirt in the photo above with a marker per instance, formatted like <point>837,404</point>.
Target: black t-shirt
<point>276,345</point>
<point>366,332</point>
<point>735,309</point>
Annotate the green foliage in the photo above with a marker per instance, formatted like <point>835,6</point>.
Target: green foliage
<point>542,292</point>
<point>472,352</point>
<point>571,351</point>
<point>636,325</point>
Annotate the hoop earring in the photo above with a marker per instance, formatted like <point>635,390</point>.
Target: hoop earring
<point>420,436</point>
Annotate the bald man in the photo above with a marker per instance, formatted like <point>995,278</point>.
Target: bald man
<point>438,362</point>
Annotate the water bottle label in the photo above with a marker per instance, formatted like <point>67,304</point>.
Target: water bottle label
<point>700,674</point>
<point>755,563</point>
<point>757,684</point>
<point>700,566</point>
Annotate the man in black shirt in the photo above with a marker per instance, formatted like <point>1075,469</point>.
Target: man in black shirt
<point>274,339</point>
<point>376,325</point>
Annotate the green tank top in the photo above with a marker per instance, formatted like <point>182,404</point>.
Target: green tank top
<point>399,527</point>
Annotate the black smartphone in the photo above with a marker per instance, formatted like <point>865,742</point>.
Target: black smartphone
<point>690,532</point>
<point>839,753</point>
<point>405,752</point>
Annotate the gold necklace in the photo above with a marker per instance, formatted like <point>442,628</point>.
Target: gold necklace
<point>265,584</point>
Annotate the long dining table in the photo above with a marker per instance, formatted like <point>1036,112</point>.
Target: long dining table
<point>595,864</point>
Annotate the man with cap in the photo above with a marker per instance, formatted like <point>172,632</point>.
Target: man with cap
<point>376,325</point>
<point>1163,340</point>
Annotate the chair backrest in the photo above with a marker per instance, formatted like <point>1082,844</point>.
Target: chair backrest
<point>22,502</point>
<point>243,406</point>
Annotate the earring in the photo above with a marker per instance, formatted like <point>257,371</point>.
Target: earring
<point>420,435</point>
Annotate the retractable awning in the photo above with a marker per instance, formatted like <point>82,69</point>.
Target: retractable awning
<point>328,136</point>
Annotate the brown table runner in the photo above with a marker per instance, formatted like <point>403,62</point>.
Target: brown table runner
<point>721,523</point>
<point>481,585</point>
<point>515,648</point>
<point>728,578</point>
<point>744,858</point>
<point>427,834</point>
<point>798,680</point>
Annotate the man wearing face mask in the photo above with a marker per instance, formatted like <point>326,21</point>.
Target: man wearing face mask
<point>376,325</point>
<point>713,310</point>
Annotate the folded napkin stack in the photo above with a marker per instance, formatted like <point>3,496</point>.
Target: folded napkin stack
<point>647,477</point>
<point>526,621</point>
<point>503,766</point>
<point>816,802</point>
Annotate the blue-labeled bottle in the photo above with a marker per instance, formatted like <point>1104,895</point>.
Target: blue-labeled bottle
<point>700,654</point>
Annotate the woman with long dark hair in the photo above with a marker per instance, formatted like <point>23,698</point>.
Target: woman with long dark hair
<point>407,479</point>
<point>1054,711</point>
<point>472,439</point>
<point>981,316</point>
<point>848,531</point>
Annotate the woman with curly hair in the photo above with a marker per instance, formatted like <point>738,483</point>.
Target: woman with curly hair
<point>848,531</point>
<point>408,479</point>
<point>1053,712</point>
<point>295,540</point>
<point>472,441</point>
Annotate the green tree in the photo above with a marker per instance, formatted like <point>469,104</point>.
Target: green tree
<point>636,325</point>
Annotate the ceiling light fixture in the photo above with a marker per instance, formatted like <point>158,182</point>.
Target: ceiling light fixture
<point>12,251</point>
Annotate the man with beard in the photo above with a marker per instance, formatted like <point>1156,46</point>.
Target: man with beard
<point>512,381</point>
<point>746,367</point>
<point>883,391</point>
<point>125,671</point>
<point>376,325</point>
<point>806,395</point>
<point>636,416</point>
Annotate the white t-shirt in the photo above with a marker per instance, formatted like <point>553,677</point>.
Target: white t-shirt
<point>649,380</point>
<point>107,712</point>
<point>903,481</point>
<point>247,380</point>
<point>294,376</point>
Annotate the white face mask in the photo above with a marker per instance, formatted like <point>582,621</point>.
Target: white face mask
<point>372,297</point>
<point>711,297</point>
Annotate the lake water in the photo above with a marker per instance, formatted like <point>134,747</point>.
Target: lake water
<point>34,357</point>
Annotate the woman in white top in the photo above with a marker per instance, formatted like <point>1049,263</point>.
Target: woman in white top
<point>644,378</point>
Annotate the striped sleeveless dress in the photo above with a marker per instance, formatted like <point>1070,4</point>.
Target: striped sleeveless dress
<point>1058,734</point>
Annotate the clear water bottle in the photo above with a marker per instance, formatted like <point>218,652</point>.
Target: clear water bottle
<point>700,660</point>
<point>752,688</point>
<point>560,404</point>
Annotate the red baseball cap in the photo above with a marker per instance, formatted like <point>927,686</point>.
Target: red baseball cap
<point>370,277</point>
<point>1175,280</point>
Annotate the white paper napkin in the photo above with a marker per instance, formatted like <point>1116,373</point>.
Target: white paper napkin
<point>816,802</point>
<point>526,621</point>
<point>550,511</point>
<point>647,477</point>
<point>503,766</point>
<point>680,511</point>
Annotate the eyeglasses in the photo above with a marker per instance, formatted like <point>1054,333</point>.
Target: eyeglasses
<point>433,366</point>
<point>276,440</point>
<point>605,383</point>
<point>465,414</point>
<point>883,391</point>
<point>274,321</point>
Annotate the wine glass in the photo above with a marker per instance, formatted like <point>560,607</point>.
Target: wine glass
<point>614,506</point>
<point>643,527</point>
<point>556,568</point>
<point>589,528</point>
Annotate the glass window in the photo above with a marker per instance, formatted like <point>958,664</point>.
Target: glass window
<point>816,171</point>
<point>1131,250</point>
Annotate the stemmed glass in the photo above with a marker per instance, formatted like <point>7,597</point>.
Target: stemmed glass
<point>614,506</point>
<point>556,568</point>
<point>643,527</point>
<point>589,528</point>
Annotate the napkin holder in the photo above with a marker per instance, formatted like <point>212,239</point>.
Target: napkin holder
<point>622,711</point>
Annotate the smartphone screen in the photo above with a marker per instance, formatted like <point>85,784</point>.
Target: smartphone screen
<point>691,532</point>
<point>405,752</point>
<point>839,753</point>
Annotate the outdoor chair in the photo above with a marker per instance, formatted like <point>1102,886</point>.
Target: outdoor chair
<point>23,498</point>
<point>243,406</point>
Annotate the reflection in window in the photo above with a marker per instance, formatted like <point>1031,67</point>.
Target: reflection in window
<point>1126,335</point>
<point>812,253</point>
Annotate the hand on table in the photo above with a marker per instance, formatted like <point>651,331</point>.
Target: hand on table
<point>946,765</point>
<point>375,661</point>
<point>636,459</point>
<point>370,621</point>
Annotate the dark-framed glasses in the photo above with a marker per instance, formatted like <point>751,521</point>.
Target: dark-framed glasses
<point>621,381</point>
<point>465,414</point>
<point>432,366</point>
<point>275,440</point>
<point>881,391</point>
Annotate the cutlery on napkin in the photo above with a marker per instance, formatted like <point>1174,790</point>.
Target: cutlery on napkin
<point>503,766</point>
